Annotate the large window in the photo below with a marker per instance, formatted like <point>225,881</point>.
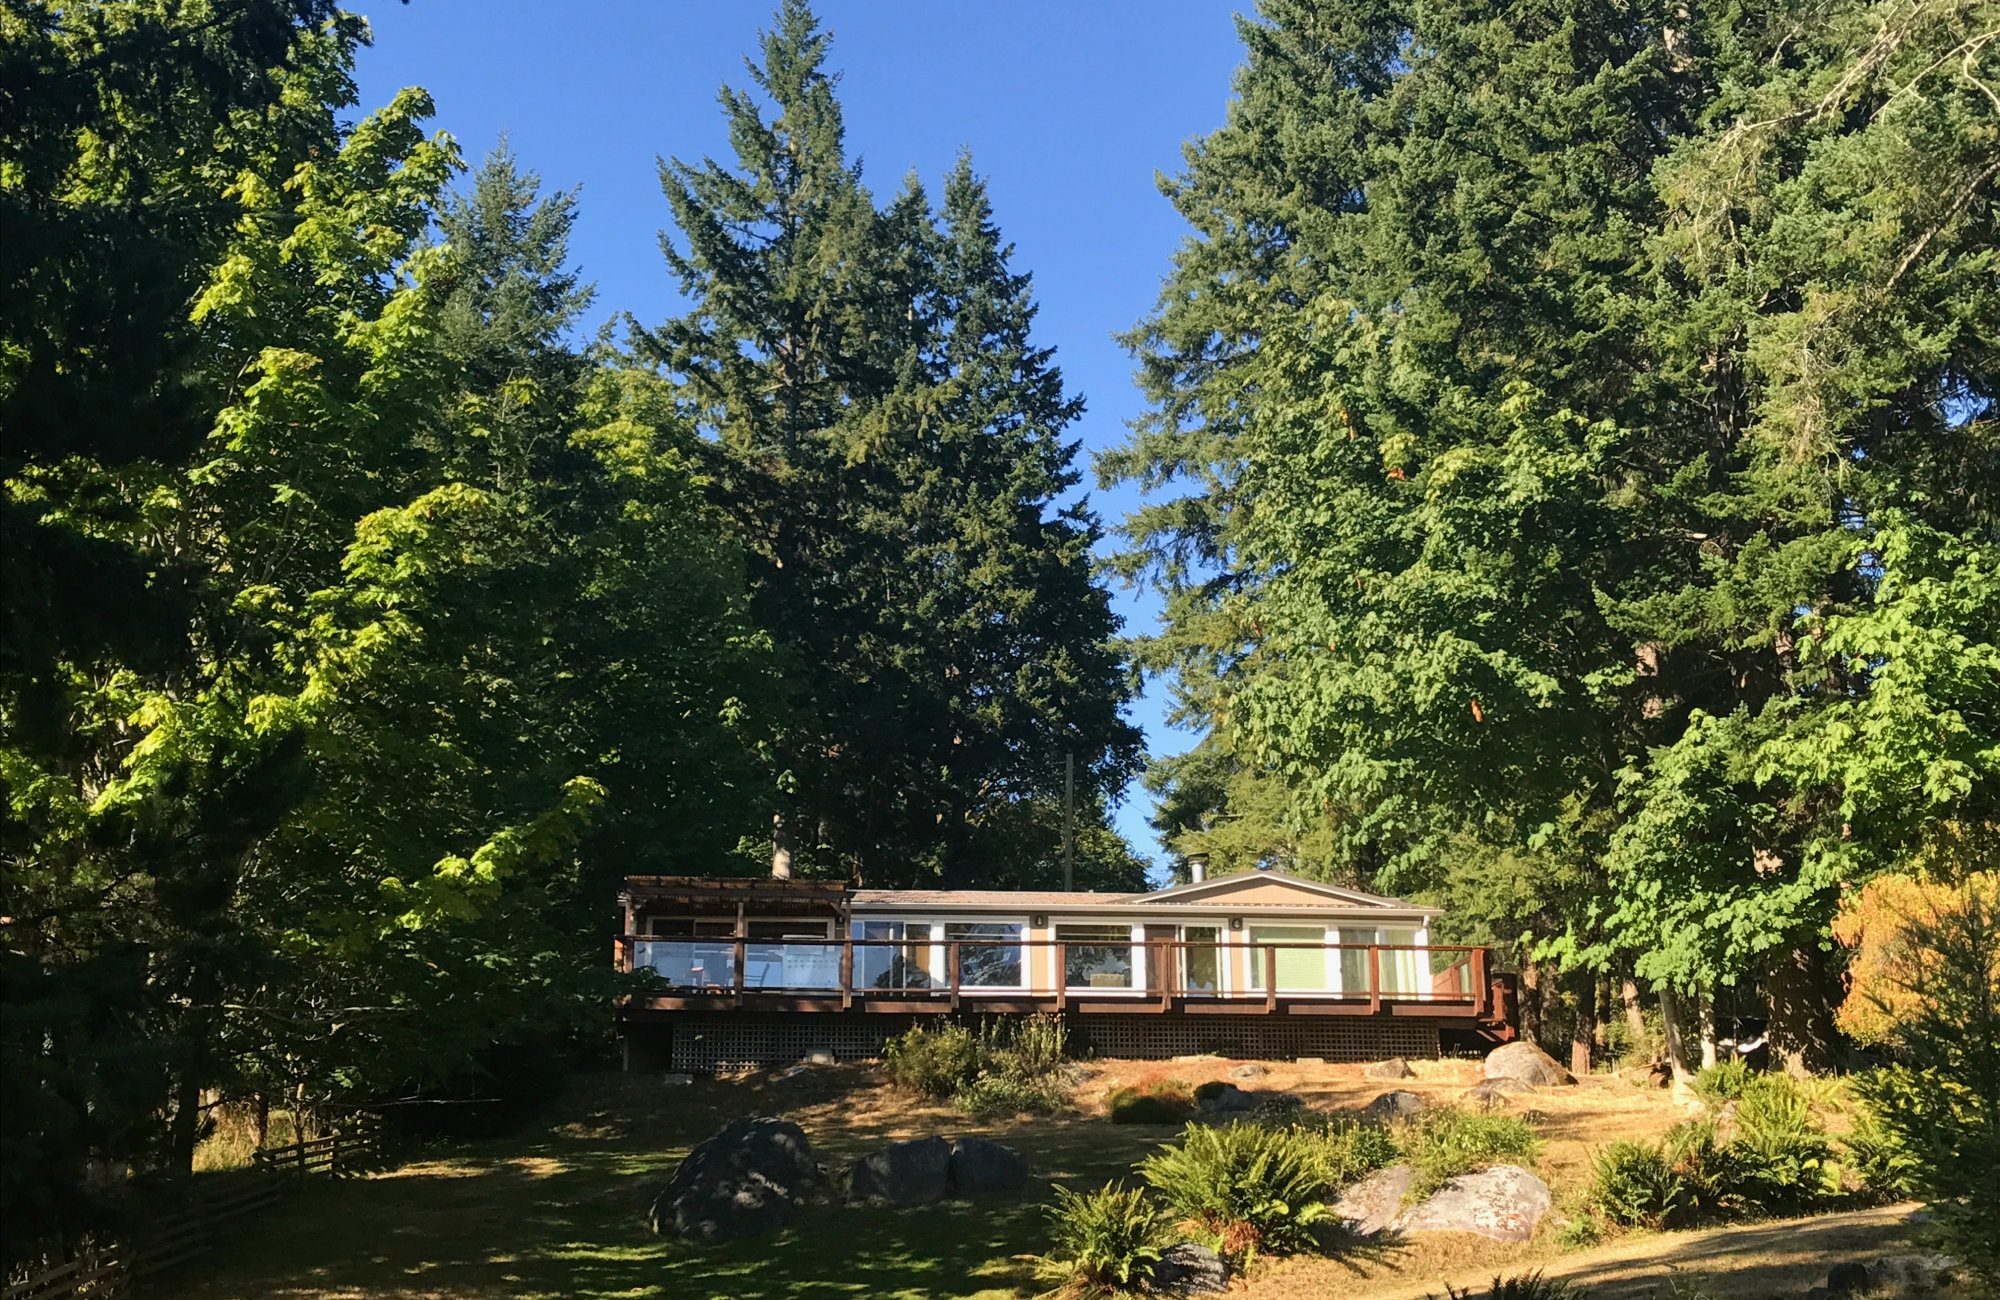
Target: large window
<point>1096,956</point>
<point>1301,969</point>
<point>1404,968</point>
<point>994,960</point>
<point>1354,943</point>
<point>1201,966</point>
<point>900,960</point>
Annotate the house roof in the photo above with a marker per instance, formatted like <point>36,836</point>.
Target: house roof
<point>1223,884</point>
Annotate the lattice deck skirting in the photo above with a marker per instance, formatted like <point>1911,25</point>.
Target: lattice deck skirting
<point>706,1042</point>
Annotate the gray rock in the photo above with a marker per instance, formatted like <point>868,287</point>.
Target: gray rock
<point>1190,1269</point>
<point>1494,1092</point>
<point>982,1167</point>
<point>1393,1068</point>
<point>1913,1272</point>
<point>1232,1100</point>
<point>916,1172</point>
<point>1526,1063</point>
<point>1393,1105</point>
<point>1250,1071</point>
<point>1504,1203</point>
<point>1845,1279</point>
<point>676,1080</point>
<point>1371,1205</point>
<point>818,1056</point>
<point>744,1181</point>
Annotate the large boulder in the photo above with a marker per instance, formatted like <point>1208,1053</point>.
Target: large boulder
<point>743,1181</point>
<point>1393,1105</point>
<point>1371,1205</point>
<point>1504,1203</point>
<point>1190,1269</point>
<point>1393,1068</point>
<point>982,1167</point>
<point>1250,1070</point>
<point>903,1173</point>
<point>1526,1063</point>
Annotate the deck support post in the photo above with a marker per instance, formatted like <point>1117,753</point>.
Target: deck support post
<point>1270,979</point>
<point>1374,979</point>
<point>1062,977</point>
<point>847,974</point>
<point>1479,989</point>
<point>951,960</point>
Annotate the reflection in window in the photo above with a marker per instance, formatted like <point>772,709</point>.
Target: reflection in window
<point>1201,965</point>
<point>1096,956</point>
<point>995,961</point>
<point>1301,968</point>
<point>902,962</point>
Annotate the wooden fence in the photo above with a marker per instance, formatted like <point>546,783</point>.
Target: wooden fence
<point>213,1202</point>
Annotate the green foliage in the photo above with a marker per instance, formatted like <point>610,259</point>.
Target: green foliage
<point>1251,1189</point>
<point>1722,1082</point>
<point>1707,1168</point>
<point>1782,1160</point>
<point>1525,1286</point>
<point>933,1061</point>
<point>1349,1150</point>
<point>1634,1185</point>
<point>1004,1068</point>
<point>1102,1243</point>
<point>1162,1101</point>
<point>879,410</point>
<point>1442,1143</point>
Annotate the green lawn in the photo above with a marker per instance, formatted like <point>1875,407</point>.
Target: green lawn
<point>561,1211</point>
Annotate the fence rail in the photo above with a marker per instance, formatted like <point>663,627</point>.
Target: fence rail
<point>214,1202</point>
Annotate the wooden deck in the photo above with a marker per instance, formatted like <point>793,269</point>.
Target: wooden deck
<point>1461,993</point>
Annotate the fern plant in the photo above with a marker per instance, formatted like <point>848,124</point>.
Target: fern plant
<point>1528,1286</point>
<point>1102,1243</point>
<point>1248,1188</point>
<point>1635,1186</point>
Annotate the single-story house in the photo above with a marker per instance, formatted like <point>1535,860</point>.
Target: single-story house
<point>757,971</point>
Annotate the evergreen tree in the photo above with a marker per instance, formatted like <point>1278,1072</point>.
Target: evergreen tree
<point>888,443</point>
<point>1593,491</point>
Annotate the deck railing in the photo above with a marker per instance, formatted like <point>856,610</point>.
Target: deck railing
<point>954,971</point>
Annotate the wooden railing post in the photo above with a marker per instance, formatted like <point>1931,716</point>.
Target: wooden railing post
<point>846,973</point>
<point>1270,979</point>
<point>1478,971</point>
<point>951,963</point>
<point>740,963</point>
<point>1374,978</point>
<point>1062,976</point>
<point>1162,974</point>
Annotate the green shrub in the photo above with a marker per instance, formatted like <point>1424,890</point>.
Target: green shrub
<point>935,1062</point>
<point>997,1096</point>
<point>1164,1101</point>
<point>1350,1150</point>
<point>1634,1185</point>
<point>1877,1153</point>
<point>1037,1047</point>
<point>1528,1286</point>
<point>1706,1167</point>
<point>1251,1189</point>
<point>1441,1144</point>
<point>1781,1160</point>
<point>1723,1081</point>
<point>1580,1232</point>
<point>1104,1243</point>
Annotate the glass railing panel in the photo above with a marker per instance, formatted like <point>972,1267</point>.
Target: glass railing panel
<point>687,963</point>
<point>793,966</point>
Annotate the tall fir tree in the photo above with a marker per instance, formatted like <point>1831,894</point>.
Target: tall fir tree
<point>888,443</point>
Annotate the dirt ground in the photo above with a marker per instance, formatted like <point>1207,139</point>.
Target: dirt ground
<point>559,1210</point>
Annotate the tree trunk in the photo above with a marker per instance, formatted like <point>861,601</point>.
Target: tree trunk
<point>1531,1002</point>
<point>186,1127</point>
<point>1675,1031</point>
<point>1635,1016</point>
<point>1583,989</point>
<point>263,1120</point>
<point>1803,1038</point>
<point>1600,1037</point>
<point>1705,1018</point>
<point>781,846</point>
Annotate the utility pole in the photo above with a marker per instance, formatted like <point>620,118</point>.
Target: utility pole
<point>1069,820</point>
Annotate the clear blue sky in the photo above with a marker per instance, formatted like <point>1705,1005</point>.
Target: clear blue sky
<point>1070,109</point>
